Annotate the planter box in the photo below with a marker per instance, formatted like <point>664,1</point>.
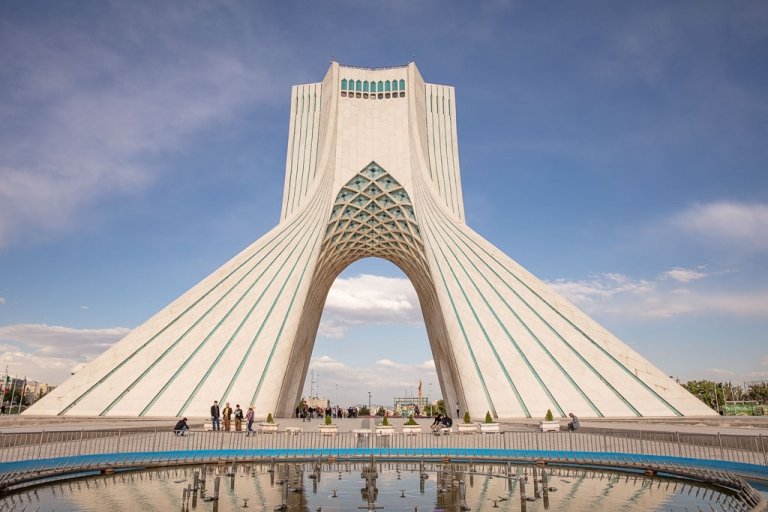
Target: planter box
<point>467,428</point>
<point>488,428</point>
<point>385,431</point>
<point>328,430</point>
<point>268,428</point>
<point>549,426</point>
<point>411,430</point>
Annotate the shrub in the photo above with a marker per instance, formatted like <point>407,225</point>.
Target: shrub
<point>411,421</point>
<point>488,418</point>
<point>549,416</point>
<point>328,420</point>
<point>385,422</point>
<point>467,419</point>
<point>270,419</point>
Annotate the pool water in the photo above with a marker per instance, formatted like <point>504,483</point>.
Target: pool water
<point>378,486</point>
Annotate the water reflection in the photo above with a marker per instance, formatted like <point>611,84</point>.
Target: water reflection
<point>372,485</point>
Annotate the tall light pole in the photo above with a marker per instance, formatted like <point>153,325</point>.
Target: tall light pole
<point>369,404</point>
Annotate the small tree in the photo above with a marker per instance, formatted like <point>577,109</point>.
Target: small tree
<point>549,416</point>
<point>270,419</point>
<point>328,420</point>
<point>488,418</point>
<point>381,411</point>
<point>467,419</point>
<point>411,421</point>
<point>385,422</point>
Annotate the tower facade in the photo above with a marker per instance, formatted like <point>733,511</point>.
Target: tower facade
<point>372,170</point>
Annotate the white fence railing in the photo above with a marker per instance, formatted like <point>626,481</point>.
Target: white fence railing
<point>54,444</point>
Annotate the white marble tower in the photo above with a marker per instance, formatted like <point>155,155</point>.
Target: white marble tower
<point>372,170</point>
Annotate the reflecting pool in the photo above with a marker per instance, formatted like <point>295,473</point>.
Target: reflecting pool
<point>384,486</point>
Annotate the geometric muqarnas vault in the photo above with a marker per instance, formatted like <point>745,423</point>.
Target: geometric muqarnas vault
<point>372,170</point>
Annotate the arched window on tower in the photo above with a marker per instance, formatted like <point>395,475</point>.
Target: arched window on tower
<point>402,85</point>
<point>394,85</point>
<point>343,84</point>
<point>386,86</point>
<point>358,85</point>
<point>365,86</point>
<point>381,86</point>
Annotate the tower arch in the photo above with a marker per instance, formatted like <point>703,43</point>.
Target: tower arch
<point>372,216</point>
<point>371,179</point>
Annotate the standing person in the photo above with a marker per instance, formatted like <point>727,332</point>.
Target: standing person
<point>238,418</point>
<point>249,421</point>
<point>215,415</point>
<point>227,416</point>
<point>457,410</point>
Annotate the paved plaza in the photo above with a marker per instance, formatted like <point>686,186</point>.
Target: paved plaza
<point>731,425</point>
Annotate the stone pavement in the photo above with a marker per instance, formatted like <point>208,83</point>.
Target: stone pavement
<point>732,425</point>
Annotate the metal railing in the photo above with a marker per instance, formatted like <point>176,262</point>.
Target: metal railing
<point>33,458</point>
<point>56,444</point>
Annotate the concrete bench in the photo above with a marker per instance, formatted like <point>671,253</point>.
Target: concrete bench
<point>362,432</point>
<point>293,430</point>
<point>549,426</point>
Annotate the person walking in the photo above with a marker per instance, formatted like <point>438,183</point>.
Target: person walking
<point>215,415</point>
<point>227,416</point>
<point>249,421</point>
<point>238,418</point>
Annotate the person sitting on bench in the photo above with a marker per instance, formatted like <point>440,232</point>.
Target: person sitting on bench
<point>574,423</point>
<point>181,427</point>
<point>436,424</point>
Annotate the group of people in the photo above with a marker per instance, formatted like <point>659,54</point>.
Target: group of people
<point>217,415</point>
<point>225,415</point>
<point>441,422</point>
<point>306,413</point>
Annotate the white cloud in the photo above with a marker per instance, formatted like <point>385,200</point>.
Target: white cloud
<point>740,224</point>
<point>601,288</point>
<point>385,379</point>
<point>52,351</point>
<point>83,121</point>
<point>663,297</point>
<point>720,372</point>
<point>684,275</point>
<point>369,299</point>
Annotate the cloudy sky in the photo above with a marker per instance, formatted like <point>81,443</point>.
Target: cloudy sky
<point>616,149</point>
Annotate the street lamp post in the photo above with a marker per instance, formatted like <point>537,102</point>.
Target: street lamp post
<point>369,404</point>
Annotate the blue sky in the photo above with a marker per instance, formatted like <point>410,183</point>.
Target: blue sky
<point>616,149</point>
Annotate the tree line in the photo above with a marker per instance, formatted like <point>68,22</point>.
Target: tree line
<point>715,394</point>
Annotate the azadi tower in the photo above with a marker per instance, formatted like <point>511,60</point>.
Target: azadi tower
<point>372,170</point>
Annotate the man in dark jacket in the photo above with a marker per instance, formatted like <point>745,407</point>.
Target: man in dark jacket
<point>215,415</point>
<point>181,427</point>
